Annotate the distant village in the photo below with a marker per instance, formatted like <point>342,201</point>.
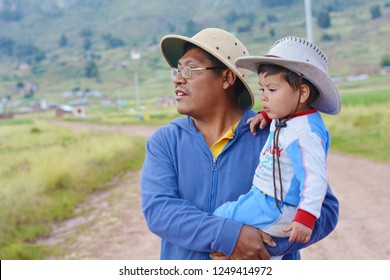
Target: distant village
<point>22,98</point>
<point>76,101</point>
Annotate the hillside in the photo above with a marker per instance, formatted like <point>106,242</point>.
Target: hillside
<point>64,45</point>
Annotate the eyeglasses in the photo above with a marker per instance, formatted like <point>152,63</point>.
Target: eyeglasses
<point>186,72</point>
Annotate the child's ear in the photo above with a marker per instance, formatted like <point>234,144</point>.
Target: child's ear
<point>305,93</point>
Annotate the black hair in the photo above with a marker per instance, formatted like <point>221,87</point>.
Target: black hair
<point>292,78</point>
<point>239,86</point>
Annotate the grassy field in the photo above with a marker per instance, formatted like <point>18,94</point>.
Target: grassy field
<point>363,126</point>
<point>45,171</point>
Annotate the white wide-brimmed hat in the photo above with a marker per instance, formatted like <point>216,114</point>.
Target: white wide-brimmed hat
<point>217,42</point>
<point>303,58</point>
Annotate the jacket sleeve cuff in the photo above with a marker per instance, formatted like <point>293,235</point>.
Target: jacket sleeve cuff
<point>305,218</point>
<point>265,116</point>
<point>226,241</point>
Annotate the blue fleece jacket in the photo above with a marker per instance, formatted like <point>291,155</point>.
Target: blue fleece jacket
<point>182,184</point>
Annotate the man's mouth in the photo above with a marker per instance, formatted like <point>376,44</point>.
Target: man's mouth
<point>180,92</point>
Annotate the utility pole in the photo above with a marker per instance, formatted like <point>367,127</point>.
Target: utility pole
<point>309,30</point>
<point>136,89</point>
<point>136,56</point>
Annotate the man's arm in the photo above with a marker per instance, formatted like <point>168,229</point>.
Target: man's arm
<point>173,218</point>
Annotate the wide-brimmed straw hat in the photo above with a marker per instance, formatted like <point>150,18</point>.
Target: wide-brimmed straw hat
<point>217,42</point>
<point>303,58</point>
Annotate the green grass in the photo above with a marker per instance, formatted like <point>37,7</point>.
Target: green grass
<point>46,170</point>
<point>363,126</point>
<point>127,115</point>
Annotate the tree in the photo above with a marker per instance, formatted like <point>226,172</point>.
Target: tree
<point>91,70</point>
<point>29,94</point>
<point>385,61</point>
<point>246,22</point>
<point>19,85</point>
<point>7,46</point>
<point>272,33</point>
<point>11,11</point>
<point>375,12</point>
<point>323,19</point>
<point>244,28</point>
<point>275,3</point>
<point>30,52</point>
<point>86,32</point>
<point>112,42</point>
<point>63,42</point>
<point>272,18</point>
<point>39,56</point>
<point>191,28</point>
<point>232,17</point>
<point>87,44</point>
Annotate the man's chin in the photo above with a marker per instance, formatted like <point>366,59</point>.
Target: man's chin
<point>181,110</point>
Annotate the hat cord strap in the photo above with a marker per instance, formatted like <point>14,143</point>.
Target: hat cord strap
<point>276,150</point>
<point>276,160</point>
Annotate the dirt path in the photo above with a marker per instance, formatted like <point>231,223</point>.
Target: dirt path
<point>113,226</point>
<point>363,189</point>
<point>110,225</point>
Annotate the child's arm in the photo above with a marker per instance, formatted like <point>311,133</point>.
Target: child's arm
<point>299,232</point>
<point>261,120</point>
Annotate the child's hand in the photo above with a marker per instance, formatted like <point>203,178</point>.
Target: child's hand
<point>299,232</point>
<point>258,120</point>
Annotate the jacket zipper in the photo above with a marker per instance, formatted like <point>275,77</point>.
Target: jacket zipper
<point>213,185</point>
<point>214,176</point>
<point>212,194</point>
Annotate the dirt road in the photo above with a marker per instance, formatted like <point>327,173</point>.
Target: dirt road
<point>113,226</point>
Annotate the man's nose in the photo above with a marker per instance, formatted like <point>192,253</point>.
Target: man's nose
<point>179,78</point>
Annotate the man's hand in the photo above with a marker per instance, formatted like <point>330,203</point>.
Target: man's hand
<point>249,246</point>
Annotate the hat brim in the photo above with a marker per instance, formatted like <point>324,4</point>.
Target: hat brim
<point>329,100</point>
<point>172,47</point>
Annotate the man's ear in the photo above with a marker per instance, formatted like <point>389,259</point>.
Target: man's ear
<point>228,78</point>
<point>305,93</point>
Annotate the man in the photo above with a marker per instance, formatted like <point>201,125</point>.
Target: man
<point>196,163</point>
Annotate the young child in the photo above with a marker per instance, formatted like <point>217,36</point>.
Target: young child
<point>291,180</point>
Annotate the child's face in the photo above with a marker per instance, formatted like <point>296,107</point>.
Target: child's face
<point>278,98</point>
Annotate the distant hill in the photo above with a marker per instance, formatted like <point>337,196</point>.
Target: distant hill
<point>111,46</point>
